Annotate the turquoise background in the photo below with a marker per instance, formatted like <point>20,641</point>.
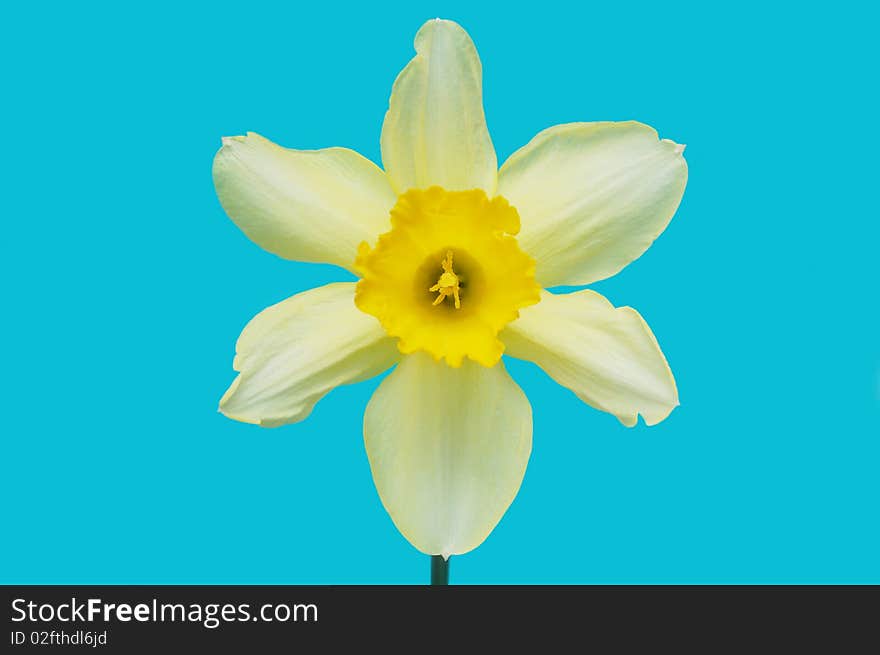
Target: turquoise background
<point>125,287</point>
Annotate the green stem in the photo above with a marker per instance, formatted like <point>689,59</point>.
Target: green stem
<point>439,570</point>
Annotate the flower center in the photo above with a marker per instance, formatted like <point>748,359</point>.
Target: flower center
<point>448,276</point>
<point>448,284</point>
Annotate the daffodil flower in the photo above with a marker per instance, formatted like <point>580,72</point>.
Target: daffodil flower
<point>452,255</point>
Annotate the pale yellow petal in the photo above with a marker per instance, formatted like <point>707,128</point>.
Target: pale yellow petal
<point>592,197</point>
<point>291,354</point>
<point>608,356</point>
<point>435,131</point>
<point>448,449</point>
<point>306,205</point>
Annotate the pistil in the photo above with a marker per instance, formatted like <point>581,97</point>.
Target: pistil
<point>448,284</point>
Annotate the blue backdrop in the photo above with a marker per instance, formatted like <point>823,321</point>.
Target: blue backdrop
<point>125,287</point>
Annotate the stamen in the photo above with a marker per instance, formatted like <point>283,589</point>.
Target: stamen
<point>448,284</point>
